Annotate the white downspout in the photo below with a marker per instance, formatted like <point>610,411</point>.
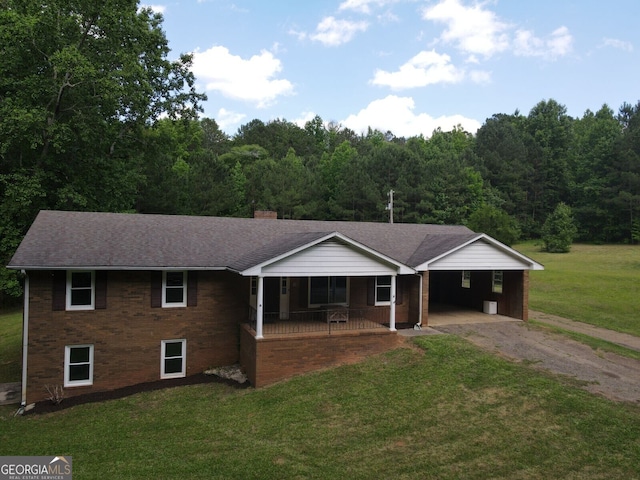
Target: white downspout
<point>392,310</point>
<point>25,341</point>
<point>259,307</point>
<point>418,326</point>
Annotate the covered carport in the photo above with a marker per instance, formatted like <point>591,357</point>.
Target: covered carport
<point>478,280</point>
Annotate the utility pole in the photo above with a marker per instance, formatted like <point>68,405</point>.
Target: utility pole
<point>390,205</point>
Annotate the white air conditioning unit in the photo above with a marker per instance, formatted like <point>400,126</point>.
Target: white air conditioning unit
<point>490,307</point>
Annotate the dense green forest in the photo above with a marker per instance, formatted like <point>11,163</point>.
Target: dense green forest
<point>93,116</point>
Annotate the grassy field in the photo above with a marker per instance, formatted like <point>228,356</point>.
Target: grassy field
<point>597,284</point>
<point>442,409</point>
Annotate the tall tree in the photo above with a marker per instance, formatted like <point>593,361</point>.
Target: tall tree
<point>551,131</point>
<point>624,174</point>
<point>596,137</point>
<point>79,82</point>
<point>501,159</point>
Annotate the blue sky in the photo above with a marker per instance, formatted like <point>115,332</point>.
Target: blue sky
<point>408,66</point>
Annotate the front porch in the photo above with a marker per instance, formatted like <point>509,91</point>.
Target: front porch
<point>326,321</point>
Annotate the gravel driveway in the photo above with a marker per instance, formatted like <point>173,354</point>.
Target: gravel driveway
<point>608,374</point>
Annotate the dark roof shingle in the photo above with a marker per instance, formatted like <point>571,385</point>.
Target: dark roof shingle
<point>59,239</point>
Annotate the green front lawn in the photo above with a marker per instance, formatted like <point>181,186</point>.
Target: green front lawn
<point>442,410</point>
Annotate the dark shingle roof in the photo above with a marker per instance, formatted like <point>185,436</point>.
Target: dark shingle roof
<point>60,239</point>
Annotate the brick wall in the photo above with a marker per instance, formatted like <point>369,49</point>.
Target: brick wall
<point>127,334</point>
<point>269,360</point>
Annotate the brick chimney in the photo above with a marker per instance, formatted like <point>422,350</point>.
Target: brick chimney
<point>268,214</point>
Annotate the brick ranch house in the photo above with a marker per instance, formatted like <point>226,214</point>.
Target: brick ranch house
<point>113,300</point>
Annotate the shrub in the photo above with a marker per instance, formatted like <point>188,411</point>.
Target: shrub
<point>558,230</point>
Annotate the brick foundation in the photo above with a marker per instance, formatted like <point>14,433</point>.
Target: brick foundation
<point>269,360</point>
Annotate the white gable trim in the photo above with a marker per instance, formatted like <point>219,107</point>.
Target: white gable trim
<point>314,259</point>
<point>511,259</point>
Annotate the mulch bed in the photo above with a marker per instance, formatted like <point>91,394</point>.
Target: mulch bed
<point>47,406</point>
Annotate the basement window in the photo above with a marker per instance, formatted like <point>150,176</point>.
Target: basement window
<point>174,358</point>
<point>78,365</point>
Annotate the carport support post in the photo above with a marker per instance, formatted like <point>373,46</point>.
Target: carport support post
<point>259,307</point>
<point>392,309</point>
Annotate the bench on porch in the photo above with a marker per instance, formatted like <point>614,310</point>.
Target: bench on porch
<point>337,314</point>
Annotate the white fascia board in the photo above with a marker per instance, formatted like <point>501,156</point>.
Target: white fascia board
<point>533,265</point>
<point>401,268</point>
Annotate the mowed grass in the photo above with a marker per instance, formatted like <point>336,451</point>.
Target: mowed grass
<point>10,345</point>
<point>438,409</point>
<point>596,284</point>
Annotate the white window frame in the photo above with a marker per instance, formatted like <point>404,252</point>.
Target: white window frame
<point>344,304</point>
<point>183,303</point>
<point>466,279</point>
<point>497,281</point>
<point>67,364</point>
<point>378,286</point>
<point>163,357</point>
<point>70,289</point>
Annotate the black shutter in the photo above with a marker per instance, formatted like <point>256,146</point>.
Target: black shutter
<point>101,289</point>
<point>400,290</point>
<point>303,293</point>
<point>156,289</point>
<point>192,289</point>
<point>59,290</point>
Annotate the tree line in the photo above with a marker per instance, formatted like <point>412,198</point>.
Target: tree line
<point>514,171</point>
<point>93,116</point>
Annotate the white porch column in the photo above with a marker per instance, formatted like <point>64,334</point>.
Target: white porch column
<point>392,310</point>
<point>259,307</point>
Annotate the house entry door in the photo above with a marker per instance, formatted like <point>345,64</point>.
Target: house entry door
<point>276,298</point>
<point>271,299</point>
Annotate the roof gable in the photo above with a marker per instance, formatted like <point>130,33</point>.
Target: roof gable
<point>331,254</point>
<point>481,253</point>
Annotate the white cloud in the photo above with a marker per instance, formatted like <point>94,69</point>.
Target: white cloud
<point>300,35</point>
<point>252,80</point>
<point>226,118</point>
<point>558,44</point>
<point>473,30</point>
<point>480,76</point>
<point>426,68</point>
<point>397,115</point>
<point>363,6</point>
<point>333,32</point>
<point>619,44</point>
